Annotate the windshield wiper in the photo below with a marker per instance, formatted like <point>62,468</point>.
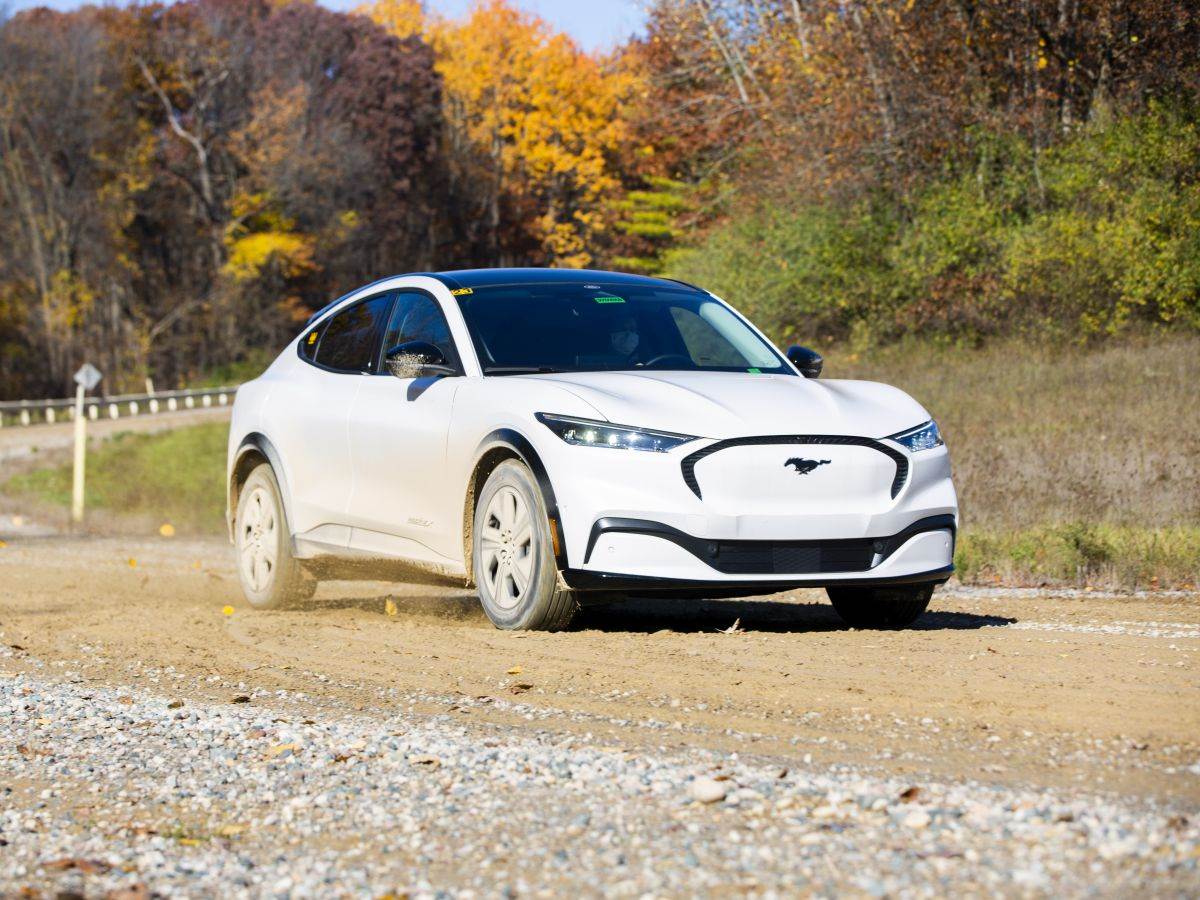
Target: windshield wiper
<point>520,370</point>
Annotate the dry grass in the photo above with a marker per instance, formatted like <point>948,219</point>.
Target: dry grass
<point>1071,463</point>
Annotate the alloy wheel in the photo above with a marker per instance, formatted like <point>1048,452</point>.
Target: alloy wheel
<point>506,545</point>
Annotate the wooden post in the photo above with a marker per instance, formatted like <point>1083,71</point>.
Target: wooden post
<point>80,457</point>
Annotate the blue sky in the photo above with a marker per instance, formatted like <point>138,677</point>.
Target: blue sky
<point>595,24</point>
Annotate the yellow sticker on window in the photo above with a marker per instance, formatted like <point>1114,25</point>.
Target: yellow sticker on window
<point>312,338</point>
<point>459,292</point>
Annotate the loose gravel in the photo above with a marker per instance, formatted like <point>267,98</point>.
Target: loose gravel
<point>111,789</point>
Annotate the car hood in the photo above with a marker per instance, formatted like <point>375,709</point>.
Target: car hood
<point>733,404</point>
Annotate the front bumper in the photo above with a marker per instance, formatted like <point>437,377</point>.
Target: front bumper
<point>634,520</point>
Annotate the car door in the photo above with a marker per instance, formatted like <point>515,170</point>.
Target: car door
<point>312,415</point>
<point>398,426</point>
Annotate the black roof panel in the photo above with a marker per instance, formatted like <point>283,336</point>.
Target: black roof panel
<point>474,278</point>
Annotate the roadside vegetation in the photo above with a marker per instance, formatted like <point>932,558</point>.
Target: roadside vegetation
<point>141,482</point>
<point>1076,243</point>
<point>843,171</point>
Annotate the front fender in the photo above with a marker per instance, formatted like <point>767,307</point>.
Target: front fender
<point>507,439</point>
<point>256,444</point>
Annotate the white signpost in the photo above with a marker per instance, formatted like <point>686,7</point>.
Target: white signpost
<point>86,378</point>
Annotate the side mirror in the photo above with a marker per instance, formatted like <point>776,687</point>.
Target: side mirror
<point>809,362</point>
<point>417,359</point>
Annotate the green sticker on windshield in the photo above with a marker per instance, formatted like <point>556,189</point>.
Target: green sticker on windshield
<point>609,299</point>
<point>754,371</point>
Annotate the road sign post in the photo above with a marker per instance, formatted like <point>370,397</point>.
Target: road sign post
<point>86,378</point>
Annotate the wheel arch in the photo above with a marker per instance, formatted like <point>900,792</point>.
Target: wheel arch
<point>255,449</point>
<point>501,445</point>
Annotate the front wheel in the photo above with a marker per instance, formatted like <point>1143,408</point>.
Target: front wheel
<point>880,607</point>
<point>512,555</point>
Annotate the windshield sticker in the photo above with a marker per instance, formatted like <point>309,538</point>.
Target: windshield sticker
<point>461,292</point>
<point>609,299</point>
<point>312,338</point>
<point>753,371</point>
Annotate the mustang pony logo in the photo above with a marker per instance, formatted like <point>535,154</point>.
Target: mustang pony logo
<point>804,466</point>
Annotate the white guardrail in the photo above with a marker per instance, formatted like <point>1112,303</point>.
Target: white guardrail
<point>36,412</point>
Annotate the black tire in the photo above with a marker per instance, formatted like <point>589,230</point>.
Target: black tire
<point>880,607</point>
<point>502,559</point>
<point>260,526</point>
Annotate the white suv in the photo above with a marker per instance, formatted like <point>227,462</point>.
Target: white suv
<point>560,436</point>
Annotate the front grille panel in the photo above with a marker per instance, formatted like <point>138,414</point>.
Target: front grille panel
<point>790,557</point>
<point>688,465</point>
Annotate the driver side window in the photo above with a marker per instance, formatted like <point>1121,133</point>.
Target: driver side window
<point>417,317</point>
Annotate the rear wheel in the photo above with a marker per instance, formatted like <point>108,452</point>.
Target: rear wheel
<point>880,607</point>
<point>271,577</point>
<point>513,557</point>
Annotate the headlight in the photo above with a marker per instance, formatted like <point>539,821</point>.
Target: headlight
<point>923,437</point>
<point>588,433</point>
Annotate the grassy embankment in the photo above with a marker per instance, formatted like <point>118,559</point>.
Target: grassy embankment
<point>1074,466</point>
<point>142,481</point>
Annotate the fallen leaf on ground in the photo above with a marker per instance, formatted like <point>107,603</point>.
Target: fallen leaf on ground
<point>175,704</point>
<point>133,892</point>
<point>515,670</point>
<point>390,607</point>
<point>909,794</point>
<point>87,866</point>
<point>520,687</point>
<point>425,760</point>
<point>231,830</point>
<point>282,748</point>
<point>132,563</point>
<point>240,698</point>
<point>166,529</point>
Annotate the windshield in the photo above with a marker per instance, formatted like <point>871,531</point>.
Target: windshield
<point>529,328</point>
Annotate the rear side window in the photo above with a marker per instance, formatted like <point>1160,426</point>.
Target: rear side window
<point>349,341</point>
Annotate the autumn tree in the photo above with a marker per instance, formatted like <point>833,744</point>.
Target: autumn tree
<point>71,162</point>
<point>532,123</point>
<point>179,184</point>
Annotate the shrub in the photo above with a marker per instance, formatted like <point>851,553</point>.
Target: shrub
<point>1084,239</point>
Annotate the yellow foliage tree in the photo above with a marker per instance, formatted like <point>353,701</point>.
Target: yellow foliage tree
<point>532,118</point>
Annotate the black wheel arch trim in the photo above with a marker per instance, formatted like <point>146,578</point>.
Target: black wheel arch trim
<point>699,547</point>
<point>257,441</point>
<point>519,444</point>
<point>688,464</point>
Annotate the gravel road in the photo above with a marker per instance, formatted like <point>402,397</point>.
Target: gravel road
<point>1017,743</point>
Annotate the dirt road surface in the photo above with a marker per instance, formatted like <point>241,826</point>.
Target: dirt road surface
<point>1092,700</point>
